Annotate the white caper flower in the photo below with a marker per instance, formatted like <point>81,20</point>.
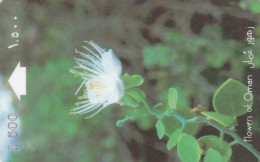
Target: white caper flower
<point>100,70</point>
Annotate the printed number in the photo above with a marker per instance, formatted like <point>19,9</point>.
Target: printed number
<point>12,116</point>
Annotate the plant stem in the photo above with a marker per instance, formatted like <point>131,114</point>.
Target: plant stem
<point>120,122</point>
<point>149,109</point>
<point>223,130</point>
<point>233,143</point>
<point>233,134</point>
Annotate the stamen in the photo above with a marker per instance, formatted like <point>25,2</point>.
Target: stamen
<point>100,50</point>
<point>91,58</point>
<point>93,71</point>
<point>98,57</point>
<point>90,64</point>
<point>96,112</point>
<point>82,102</point>
<point>80,86</point>
<point>87,110</point>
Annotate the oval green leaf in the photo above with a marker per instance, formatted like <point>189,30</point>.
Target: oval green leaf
<point>213,156</point>
<point>171,124</point>
<point>137,94</point>
<point>160,129</point>
<point>128,101</point>
<point>225,120</point>
<point>172,98</point>
<point>132,80</point>
<point>174,139</point>
<point>229,98</point>
<point>188,149</point>
<point>217,144</point>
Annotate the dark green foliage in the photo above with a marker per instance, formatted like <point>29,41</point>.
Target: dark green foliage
<point>252,5</point>
<point>187,62</point>
<point>50,133</point>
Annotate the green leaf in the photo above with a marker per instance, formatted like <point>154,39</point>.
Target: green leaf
<point>229,98</point>
<point>216,57</point>
<point>172,98</point>
<point>137,94</point>
<point>128,101</point>
<point>217,144</point>
<point>225,120</point>
<point>171,123</point>
<point>132,97</point>
<point>156,55</point>
<point>183,96</point>
<point>174,139</point>
<point>213,156</point>
<point>160,129</point>
<point>188,149</point>
<point>132,80</point>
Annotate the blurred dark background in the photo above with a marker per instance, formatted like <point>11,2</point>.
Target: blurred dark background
<point>192,45</point>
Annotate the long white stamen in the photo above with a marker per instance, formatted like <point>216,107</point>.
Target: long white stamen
<point>89,109</point>
<point>82,102</point>
<point>79,73</point>
<point>89,57</point>
<point>93,71</point>
<point>85,106</point>
<point>100,109</point>
<point>86,48</point>
<point>89,64</point>
<point>100,50</point>
<point>84,82</point>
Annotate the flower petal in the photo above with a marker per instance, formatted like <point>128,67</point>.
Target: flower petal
<point>112,63</point>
